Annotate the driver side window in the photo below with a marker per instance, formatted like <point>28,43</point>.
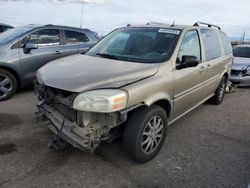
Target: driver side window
<point>190,46</point>
<point>45,37</point>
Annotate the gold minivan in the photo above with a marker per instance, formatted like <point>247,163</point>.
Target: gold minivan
<point>134,83</point>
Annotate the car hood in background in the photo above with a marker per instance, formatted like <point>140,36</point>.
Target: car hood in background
<point>80,73</point>
<point>241,63</point>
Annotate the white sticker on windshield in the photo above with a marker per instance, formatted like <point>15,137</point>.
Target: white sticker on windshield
<point>171,31</point>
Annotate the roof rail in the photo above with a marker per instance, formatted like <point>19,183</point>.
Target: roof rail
<point>209,25</point>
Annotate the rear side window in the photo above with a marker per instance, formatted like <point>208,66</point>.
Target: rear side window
<point>45,37</point>
<point>73,37</point>
<point>226,43</point>
<point>211,44</point>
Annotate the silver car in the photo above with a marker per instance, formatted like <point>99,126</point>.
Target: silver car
<point>134,82</point>
<point>23,50</point>
<point>240,73</point>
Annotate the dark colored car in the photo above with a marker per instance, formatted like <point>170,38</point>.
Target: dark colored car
<point>23,50</point>
<point>5,27</point>
<point>240,72</point>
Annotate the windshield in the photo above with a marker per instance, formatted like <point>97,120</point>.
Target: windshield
<point>241,52</point>
<point>146,45</point>
<point>12,34</point>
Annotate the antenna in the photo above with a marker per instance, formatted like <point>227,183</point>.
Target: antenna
<point>173,23</point>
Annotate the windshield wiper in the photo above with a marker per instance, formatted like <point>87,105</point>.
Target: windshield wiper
<point>107,56</point>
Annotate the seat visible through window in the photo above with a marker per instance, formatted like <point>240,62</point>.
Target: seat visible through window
<point>140,44</point>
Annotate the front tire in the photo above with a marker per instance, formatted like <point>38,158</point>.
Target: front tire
<point>8,84</point>
<point>145,133</point>
<point>220,92</point>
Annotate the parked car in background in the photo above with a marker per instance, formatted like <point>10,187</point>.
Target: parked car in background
<point>240,73</point>
<point>23,50</point>
<point>134,82</point>
<point>4,27</point>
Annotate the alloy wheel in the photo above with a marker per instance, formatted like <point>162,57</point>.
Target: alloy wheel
<point>152,134</point>
<point>222,90</point>
<point>6,85</point>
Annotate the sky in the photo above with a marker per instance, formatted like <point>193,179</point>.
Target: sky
<point>105,15</point>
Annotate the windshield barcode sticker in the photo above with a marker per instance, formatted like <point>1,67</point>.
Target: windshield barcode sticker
<point>171,31</point>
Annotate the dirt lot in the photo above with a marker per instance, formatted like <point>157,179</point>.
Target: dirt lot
<point>210,147</point>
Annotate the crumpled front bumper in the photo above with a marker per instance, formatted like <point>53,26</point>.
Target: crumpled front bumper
<point>73,134</point>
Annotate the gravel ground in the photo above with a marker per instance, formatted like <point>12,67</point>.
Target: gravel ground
<point>209,147</point>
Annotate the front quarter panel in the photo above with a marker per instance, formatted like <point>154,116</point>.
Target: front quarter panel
<point>9,55</point>
<point>10,59</point>
<point>155,88</point>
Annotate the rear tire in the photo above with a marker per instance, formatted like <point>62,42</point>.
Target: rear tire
<point>145,133</point>
<point>220,92</point>
<point>8,85</point>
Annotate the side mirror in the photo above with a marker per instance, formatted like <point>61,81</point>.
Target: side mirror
<point>28,47</point>
<point>188,61</point>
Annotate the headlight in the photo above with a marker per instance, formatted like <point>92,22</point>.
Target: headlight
<point>104,100</point>
<point>247,71</point>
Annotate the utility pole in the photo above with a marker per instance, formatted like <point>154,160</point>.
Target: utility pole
<point>243,37</point>
<point>81,14</point>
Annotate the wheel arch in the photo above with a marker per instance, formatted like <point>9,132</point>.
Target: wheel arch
<point>226,75</point>
<point>14,72</point>
<point>161,99</point>
<point>165,104</point>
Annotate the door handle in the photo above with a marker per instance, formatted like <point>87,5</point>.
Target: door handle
<point>58,52</point>
<point>202,69</point>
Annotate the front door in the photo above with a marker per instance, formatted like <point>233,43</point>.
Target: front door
<point>188,81</point>
<point>49,48</point>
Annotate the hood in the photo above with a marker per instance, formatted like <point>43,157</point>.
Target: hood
<point>80,73</point>
<point>241,63</point>
<point>1,50</point>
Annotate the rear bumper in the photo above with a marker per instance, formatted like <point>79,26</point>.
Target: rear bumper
<point>240,80</point>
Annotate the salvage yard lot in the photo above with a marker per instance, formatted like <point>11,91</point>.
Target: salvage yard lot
<point>210,147</point>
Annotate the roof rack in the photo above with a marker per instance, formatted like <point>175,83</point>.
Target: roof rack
<point>156,23</point>
<point>209,25</point>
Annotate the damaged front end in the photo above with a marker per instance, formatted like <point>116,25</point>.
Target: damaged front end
<point>81,129</point>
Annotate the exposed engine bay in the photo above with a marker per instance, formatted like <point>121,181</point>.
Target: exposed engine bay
<point>84,130</point>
